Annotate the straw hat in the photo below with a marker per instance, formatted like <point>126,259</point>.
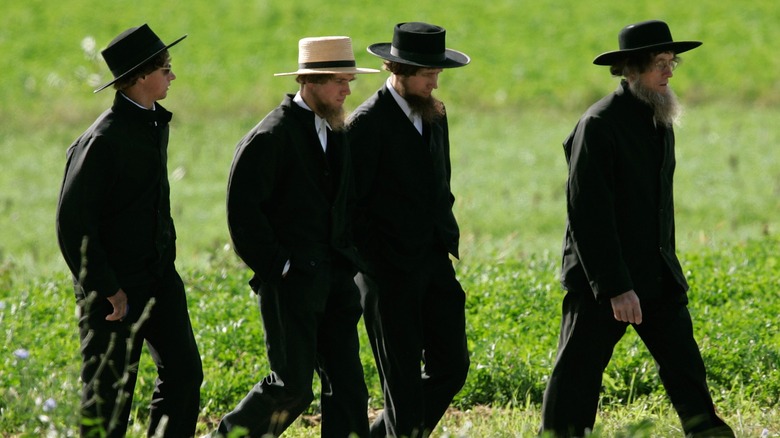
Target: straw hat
<point>419,44</point>
<point>653,35</point>
<point>131,49</point>
<point>326,55</point>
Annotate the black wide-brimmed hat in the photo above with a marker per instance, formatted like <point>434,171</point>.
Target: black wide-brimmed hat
<point>419,44</point>
<point>132,49</point>
<point>653,35</point>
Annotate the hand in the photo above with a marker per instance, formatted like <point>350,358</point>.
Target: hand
<point>626,307</point>
<point>119,302</point>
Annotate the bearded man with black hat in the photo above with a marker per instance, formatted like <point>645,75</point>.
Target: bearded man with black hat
<point>289,189</point>
<point>413,304</point>
<point>619,265</point>
<point>117,236</point>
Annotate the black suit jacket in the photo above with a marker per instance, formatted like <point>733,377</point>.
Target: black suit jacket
<point>620,233</point>
<point>402,180</point>
<point>115,193</point>
<point>287,199</point>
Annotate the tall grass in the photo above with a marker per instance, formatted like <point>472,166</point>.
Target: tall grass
<point>512,316</point>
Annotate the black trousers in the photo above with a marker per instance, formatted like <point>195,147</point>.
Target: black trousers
<point>416,318</point>
<point>589,333</point>
<point>310,321</point>
<point>111,351</point>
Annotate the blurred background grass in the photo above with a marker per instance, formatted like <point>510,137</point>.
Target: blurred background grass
<point>530,79</point>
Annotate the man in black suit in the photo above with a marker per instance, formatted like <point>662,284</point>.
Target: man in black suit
<point>405,229</point>
<point>619,263</point>
<point>289,189</point>
<point>117,236</point>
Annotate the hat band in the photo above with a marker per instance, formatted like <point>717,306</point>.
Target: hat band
<point>416,56</point>
<point>326,64</point>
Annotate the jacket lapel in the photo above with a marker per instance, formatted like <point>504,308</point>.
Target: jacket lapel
<point>310,149</point>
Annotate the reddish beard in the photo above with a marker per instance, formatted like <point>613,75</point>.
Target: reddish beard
<point>429,108</point>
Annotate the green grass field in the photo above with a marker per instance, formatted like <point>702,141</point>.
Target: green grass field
<point>529,81</point>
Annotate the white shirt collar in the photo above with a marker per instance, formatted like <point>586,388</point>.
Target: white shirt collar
<point>154,106</point>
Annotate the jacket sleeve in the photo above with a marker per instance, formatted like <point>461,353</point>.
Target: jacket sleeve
<point>591,208</point>
<point>452,238</point>
<point>89,175</point>
<point>251,186</point>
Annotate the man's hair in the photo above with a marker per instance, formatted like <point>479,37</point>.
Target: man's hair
<point>314,78</point>
<point>636,63</point>
<point>144,69</point>
<point>400,69</point>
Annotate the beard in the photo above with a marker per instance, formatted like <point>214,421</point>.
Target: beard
<point>334,115</point>
<point>429,108</point>
<point>666,108</point>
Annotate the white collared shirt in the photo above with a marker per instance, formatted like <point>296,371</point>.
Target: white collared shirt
<point>413,117</point>
<point>154,106</point>
<point>320,124</point>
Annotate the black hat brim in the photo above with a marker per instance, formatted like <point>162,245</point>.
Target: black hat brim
<point>609,58</point>
<point>452,58</point>
<point>102,87</point>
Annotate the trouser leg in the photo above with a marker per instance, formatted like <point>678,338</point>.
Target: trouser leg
<point>393,321</point>
<point>110,355</point>
<point>667,331</point>
<point>290,312</point>
<point>411,318</point>
<point>445,351</point>
<point>344,394</point>
<point>171,342</point>
<point>589,333</point>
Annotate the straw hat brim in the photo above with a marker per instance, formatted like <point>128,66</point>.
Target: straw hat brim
<point>329,71</point>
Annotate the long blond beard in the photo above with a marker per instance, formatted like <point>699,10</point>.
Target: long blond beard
<point>335,118</point>
<point>334,115</point>
<point>666,108</point>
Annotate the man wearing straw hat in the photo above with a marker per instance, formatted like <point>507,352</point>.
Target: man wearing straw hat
<point>117,236</point>
<point>414,306</point>
<point>289,189</point>
<point>619,263</point>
